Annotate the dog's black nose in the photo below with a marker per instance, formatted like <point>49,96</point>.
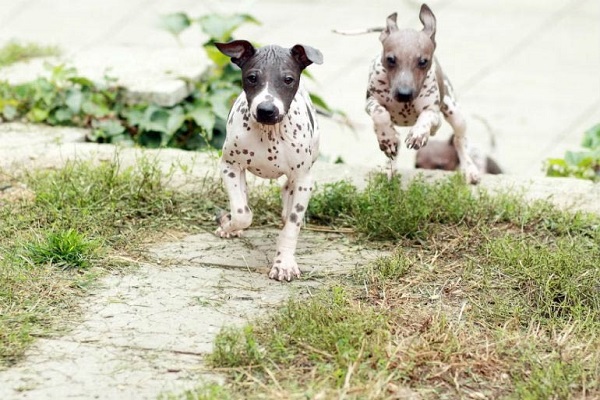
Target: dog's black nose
<point>266,112</point>
<point>404,94</point>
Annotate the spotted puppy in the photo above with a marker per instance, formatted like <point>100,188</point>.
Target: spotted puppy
<point>408,88</point>
<point>271,131</point>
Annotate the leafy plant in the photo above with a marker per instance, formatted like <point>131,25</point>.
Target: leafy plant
<point>66,98</point>
<point>579,164</point>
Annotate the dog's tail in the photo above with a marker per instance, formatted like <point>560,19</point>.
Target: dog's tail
<point>355,32</point>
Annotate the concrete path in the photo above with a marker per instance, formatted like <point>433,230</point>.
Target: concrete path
<point>526,72</point>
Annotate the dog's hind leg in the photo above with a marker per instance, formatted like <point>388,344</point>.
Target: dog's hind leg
<point>454,116</point>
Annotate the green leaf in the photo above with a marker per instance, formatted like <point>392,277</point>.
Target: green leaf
<point>84,82</point>
<point>155,119</point>
<point>63,115</point>
<point>37,115</point>
<point>591,138</point>
<point>221,101</point>
<point>74,100</point>
<point>96,109</point>
<point>221,27</point>
<point>9,112</point>
<point>577,158</point>
<point>175,23</point>
<point>215,55</point>
<point>204,118</point>
<point>109,127</point>
<point>320,103</point>
<point>176,120</point>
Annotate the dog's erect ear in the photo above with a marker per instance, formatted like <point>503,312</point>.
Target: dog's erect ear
<point>390,26</point>
<point>428,19</point>
<point>240,51</point>
<point>306,55</point>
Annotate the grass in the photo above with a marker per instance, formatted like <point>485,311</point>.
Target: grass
<point>57,240</point>
<point>13,52</point>
<point>482,297</point>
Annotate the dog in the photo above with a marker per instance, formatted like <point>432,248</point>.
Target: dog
<point>271,131</point>
<point>441,154</point>
<point>407,87</point>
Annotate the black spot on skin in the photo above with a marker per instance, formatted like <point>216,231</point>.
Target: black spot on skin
<point>299,207</point>
<point>293,217</point>
<point>247,209</point>
<point>231,175</point>
<point>240,211</point>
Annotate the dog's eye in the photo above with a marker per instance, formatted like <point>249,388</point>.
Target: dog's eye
<point>252,79</point>
<point>288,80</point>
<point>391,61</point>
<point>423,62</point>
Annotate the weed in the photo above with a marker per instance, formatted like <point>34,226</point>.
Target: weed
<point>494,299</point>
<point>541,279</point>
<point>64,249</point>
<point>580,164</point>
<point>55,244</point>
<point>13,52</point>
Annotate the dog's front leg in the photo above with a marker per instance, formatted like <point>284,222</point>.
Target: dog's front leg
<point>427,124</point>
<point>384,128</point>
<point>284,265</point>
<point>240,215</point>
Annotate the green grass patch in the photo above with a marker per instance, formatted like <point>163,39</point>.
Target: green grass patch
<point>59,237</point>
<point>13,52</point>
<point>484,297</point>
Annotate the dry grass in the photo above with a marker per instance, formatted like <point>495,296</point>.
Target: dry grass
<point>491,298</point>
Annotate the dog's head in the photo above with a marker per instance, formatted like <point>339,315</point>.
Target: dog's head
<point>408,54</point>
<point>437,154</point>
<point>270,75</point>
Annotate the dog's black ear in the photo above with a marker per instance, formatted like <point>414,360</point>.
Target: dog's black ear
<point>306,55</point>
<point>390,26</point>
<point>428,19</point>
<point>240,51</point>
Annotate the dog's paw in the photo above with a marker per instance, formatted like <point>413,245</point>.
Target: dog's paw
<point>472,174</point>
<point>222,233</point>
<point>224,219</point>
<point>389,146</point>
<point>284,268</point>
<point>416,138</point>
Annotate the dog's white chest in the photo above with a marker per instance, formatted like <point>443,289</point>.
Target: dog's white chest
<point>270,151</point>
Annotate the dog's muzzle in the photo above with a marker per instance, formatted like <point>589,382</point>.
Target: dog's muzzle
<point>267,113</point>
<point>404,95</point>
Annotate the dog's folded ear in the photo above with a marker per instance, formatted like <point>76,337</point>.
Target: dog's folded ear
<point>306,55</point>
<point>390,26</point>
<point>428,20</point>
<point>240,51</point>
